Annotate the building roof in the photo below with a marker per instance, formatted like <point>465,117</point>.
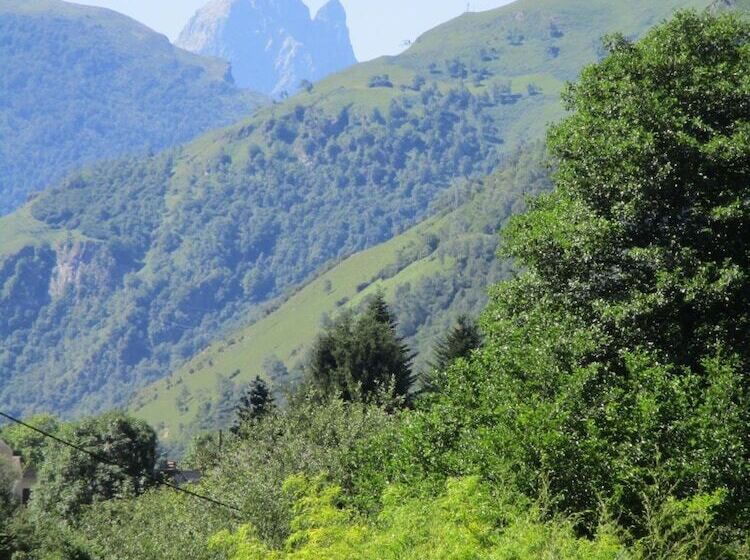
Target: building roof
<point>5,450</point>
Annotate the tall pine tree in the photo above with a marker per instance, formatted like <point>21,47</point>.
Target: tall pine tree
<point>458,343</point>
<point>357,357</point>
<point>257,402</point>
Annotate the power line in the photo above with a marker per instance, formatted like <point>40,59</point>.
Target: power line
<point>101,459</point>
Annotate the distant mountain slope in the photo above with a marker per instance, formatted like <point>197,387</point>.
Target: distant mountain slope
<point>430,274</point>
<point>121,274</point>
<point>272,44</point>
<point>80,84</point>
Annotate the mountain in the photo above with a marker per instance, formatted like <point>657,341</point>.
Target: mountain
<point>272,44</point>
<point>81,84</point>
<point>121,274</point>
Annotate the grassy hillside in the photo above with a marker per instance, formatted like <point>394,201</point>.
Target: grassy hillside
<point>81,84</point>
<point>152,260</point>
<point>430,274</point>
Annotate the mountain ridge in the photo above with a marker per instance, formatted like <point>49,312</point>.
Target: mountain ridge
<point>82,84</point>
<point>430,274</point>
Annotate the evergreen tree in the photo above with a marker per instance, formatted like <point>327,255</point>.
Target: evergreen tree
<point>357,357</point>
<point>458,343</point>
<point>257,402</point>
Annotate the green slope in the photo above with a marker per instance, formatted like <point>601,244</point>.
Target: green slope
<point>452,253</point>
<point>149,261</point>
<point>284,333</point>
<point>80,84</point>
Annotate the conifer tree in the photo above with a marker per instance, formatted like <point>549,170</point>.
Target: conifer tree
<point>257,402</point>
<point>356,357</point>
<point>458,343</point>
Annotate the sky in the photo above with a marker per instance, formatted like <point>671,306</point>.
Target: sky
<point>377,27</point>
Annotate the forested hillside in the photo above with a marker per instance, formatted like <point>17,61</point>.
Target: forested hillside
<point>431,274</point>
<point>135,267</point>
<point>81,84</point>
<point>601,415</point>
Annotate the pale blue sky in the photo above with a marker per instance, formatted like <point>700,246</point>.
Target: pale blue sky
<point>378,27</point>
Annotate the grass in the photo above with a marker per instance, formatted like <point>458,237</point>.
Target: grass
<point>21,230</point>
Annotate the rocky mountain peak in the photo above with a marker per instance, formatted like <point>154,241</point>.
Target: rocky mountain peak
<point>332,12</point>
<point>272,45</point>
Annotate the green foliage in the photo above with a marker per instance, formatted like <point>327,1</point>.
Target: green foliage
<point>70,479</point>
<point>29,444</point>
<point>430,275</point>
<point>48,540</point>
<point>465,521</point>
<point>8,505</point>
<point>380,81</point>
<point>82,84</point>
<point>160,524</point>
<point>620,355</point>
<point>343,440</point>
<point>361,358</point>
<point>460,342</point>
<point>256,403</point>
<point>651,183</point>
<point>252,212</point>
<point>150,271</point>
<point>606,414</point>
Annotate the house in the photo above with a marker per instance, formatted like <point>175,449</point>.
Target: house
<point>24,479</point>
<point>179,477</point>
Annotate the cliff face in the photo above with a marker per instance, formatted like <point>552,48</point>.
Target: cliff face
<point>83,268</point>
<point>272,45</point>
<point>48,295</point>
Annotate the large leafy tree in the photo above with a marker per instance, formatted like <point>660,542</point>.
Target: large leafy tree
<point>122,465</point>
<point>616,365</point>
<point>646,236</point>
<point>360,357</point>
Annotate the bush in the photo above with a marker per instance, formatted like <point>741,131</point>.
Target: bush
<point>464,521</point>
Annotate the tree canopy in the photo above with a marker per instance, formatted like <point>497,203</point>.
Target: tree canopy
<point>125,455</point>
<point>357,358</point>
<point>616,364</point>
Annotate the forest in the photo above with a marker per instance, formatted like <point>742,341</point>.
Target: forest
<point>113,279</point>
<point>599,408</point>
<point>439,271</point>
